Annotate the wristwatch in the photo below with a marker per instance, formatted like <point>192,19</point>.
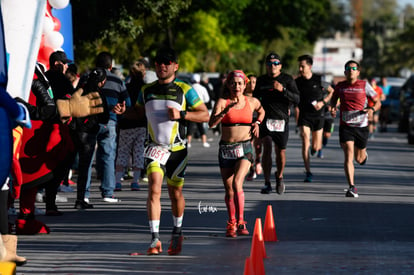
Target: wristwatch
<point>183,114</point>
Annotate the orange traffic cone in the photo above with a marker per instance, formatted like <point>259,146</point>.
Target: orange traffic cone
<point>259,241</point>
<point>248,268</point>
<point>256,257</point>
<point>257,251</point>
<point>269,232</point>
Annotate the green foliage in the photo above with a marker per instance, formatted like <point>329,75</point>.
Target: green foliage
<point>401,52</point>
<point>128,29</point>
<point>215,35</point>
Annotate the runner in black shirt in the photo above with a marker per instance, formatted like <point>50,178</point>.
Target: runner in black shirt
<point>276,91</point>
<point>314,95</point>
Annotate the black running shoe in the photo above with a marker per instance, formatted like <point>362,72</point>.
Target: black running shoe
<point>365,160</point>
<point>267,188</point>
<point>308,177</point>
<point>280,186</point>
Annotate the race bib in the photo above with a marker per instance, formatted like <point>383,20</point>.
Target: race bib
<point>157,153</point>
<point>354,117</point>
<point>233,151</point>
<point>275,125</point>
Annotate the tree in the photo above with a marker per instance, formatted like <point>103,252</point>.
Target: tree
<point>127,29</point>
<point>380,23</point>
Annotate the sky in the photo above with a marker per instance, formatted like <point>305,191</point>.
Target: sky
<point>402,3</point>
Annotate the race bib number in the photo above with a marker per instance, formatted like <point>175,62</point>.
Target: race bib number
<point>157,153</point>
<point>232,151</point>
<point>354,117</point>
<point>275,125</point>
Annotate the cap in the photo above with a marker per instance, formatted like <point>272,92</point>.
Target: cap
<point>195,78</point>
<point>166,54</point>
<point>272,55</point>
<point>143,61</point>
<point>59,56</point>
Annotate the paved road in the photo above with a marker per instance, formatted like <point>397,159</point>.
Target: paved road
<point>319,230</point>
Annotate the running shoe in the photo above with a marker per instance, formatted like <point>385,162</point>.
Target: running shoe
<point>175,244</point>
<point>65,188</point>
<point>267,188</point>
<point>135,186</point>
<point>82,204</point>
<point>155,247</point>
<point>259,168</point>
<point>242,229</point>
<point>118,186</point>
<point>365,160</point>
<point>231,229</point>
<point>280,186</point>
<point>252,175</point>
<point>61,199</point>
<point>308,177</point>
<point>39,197</point>
<point>313,152</point>
<point>320,154</point>
<point>111,199</point>
<point>352,192</point>
<point>53,212</point>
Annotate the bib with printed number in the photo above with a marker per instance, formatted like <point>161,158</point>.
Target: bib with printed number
<point>157,153</point>
<point>275,125</point>
<point>232,151</point>
<point>355,118</point>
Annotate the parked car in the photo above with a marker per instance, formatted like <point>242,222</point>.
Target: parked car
<point>406,102</point>
<point>394,98</point>
<point>410,130</point>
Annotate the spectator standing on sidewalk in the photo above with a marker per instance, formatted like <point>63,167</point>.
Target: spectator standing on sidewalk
<point>353,94</point>
<point>193,126</point>
<point>132,133</point>
<point>235,112</point>
<point>84,134</point>
<point>276,91</point>
<point>117,98</point>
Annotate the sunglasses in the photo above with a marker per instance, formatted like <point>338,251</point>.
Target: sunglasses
<point>164,61</point>
<point>276,63</point>
<point>351,68</point>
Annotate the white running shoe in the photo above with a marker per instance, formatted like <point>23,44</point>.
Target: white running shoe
<point>61,199</point>
<point>111,200</point>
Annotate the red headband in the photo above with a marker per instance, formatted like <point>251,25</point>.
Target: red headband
<point>237,73</point>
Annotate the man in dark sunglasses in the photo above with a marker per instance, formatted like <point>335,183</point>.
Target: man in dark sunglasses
<point>276,91</point>
<point>166,102</point>
<point>353,128</point>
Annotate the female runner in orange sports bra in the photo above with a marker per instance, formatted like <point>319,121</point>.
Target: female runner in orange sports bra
<point>235,112</point>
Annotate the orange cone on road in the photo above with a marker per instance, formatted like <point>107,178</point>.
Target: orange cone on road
<point>258,242</point>
<point>269,232</point>
<point>248,267</point>
<point>256,256</point>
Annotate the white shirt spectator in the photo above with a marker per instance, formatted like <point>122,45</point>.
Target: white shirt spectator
<point>200,89</point>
